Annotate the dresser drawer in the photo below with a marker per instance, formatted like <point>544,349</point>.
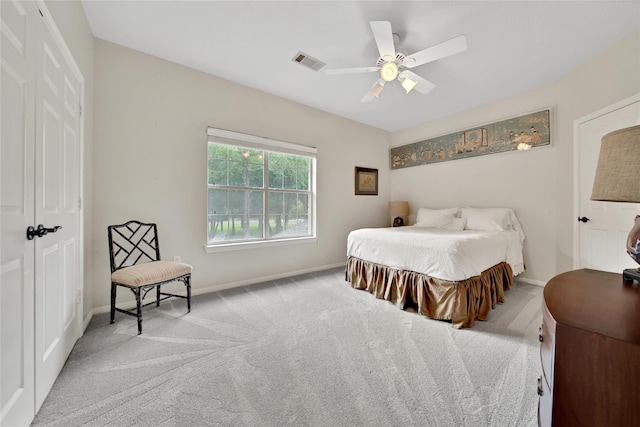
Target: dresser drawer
<point>547,345</point>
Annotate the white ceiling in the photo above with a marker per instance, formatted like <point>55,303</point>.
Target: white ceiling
<point>512,46</point>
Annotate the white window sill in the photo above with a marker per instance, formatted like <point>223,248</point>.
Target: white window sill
<point>240,246</point>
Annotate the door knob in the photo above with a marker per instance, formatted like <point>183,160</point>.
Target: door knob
<point>40,231</point>
<point>583,219</point>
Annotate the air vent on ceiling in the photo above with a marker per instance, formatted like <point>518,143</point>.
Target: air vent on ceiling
<point>308,61</point>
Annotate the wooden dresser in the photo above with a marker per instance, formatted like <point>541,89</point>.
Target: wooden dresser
<point>590,351</point>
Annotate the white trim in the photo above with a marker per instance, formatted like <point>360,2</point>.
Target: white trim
<point>576,166</point>
<point>531,281</point>
<point>87,319</point>
<point>252,141</point>
<point>240,246</point>
<point>225,286</point>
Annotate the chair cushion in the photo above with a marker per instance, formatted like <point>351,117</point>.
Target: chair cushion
<point>150,273</point>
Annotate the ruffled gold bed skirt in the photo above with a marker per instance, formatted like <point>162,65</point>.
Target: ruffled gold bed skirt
<point>460,302</point>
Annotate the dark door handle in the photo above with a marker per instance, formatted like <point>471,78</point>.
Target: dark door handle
<point>540,391</point>
<point>583,219</point>
<point>40,231</point>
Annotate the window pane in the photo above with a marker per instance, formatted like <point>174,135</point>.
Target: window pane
<point>290,172</point>
<point>217,155</point>
<point>276,162</point>
<point>288,226</point>
<point>304,170</point>
<point>237,203</point>
<point>276,202</point>
<point>288,214</point>
<point>303,204</point>
<point>247,169</point>
<point>218,208</point>
<point>235,215</point>
<point>218,172</point>
<point>256,175</point>
<point>217,151</point>
<point>218,201</point>
<point>291,204</point>
<point>256,203</point>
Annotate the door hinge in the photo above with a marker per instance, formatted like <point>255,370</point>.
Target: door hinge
<point>80,203</point>
<point>80,110</point>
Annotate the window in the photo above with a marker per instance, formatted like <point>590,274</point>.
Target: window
<point>259,190</point>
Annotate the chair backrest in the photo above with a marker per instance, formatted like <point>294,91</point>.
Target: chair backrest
<point>131,243</point>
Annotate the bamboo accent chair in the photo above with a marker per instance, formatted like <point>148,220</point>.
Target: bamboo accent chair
<point>135,264</point>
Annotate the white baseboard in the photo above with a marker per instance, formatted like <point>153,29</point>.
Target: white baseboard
<point>87,319</point>
<point>531,281</point>
<point>199,291</point>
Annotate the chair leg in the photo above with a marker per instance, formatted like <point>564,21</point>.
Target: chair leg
<point>187,282</point>
<point>113,302</point>
<point>158,296</point>
<point>139,310</point>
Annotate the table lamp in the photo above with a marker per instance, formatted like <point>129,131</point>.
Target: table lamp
<point>618,180</point>
<point>398,212</point>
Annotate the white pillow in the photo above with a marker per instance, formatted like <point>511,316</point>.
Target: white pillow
<point>487,219</point>
<point>454,224</point>
<point>435,217</point>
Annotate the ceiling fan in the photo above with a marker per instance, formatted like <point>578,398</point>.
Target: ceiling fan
<point>394,64</point>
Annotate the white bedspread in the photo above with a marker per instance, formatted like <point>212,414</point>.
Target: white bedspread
<point>441,254</point>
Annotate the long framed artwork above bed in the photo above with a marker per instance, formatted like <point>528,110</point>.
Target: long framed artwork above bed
<point>453,264</point>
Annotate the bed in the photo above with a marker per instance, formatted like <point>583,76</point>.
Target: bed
<point>453,264</point>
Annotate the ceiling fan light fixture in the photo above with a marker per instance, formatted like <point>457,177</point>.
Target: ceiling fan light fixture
<point>408,84</point>
<point>389,71</point>
<point>376,89</point>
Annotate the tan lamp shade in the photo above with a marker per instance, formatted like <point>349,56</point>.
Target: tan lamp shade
<point>398,209</point>
<point>618,171</point>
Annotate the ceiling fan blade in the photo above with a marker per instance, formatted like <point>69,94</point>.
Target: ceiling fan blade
<point>374,92</point>
<point>353,70</point>
<point>367,97</point>
<point>384,39</point>
<point>423,86</point>
<point>441,50</point>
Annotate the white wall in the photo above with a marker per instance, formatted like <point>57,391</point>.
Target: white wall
<point>537,183</point>
<point>71,21</point>
<point>148,132</point>
<point>150,161</point>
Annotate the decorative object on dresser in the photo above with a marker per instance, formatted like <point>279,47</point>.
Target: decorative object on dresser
<point>366,181</point>
<point>398,212</point>
<point>590,351</point>
<point>618,180</point>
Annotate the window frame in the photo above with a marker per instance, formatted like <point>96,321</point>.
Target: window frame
<point>225,137</point>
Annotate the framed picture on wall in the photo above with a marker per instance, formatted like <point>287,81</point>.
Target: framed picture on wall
<point>366,181</point>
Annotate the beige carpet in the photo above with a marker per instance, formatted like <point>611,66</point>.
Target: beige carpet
<point>304,351</point>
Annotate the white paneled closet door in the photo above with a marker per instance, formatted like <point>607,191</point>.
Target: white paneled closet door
<point>40,287</point>
<point>17,90</point>
<point>57,204</point>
